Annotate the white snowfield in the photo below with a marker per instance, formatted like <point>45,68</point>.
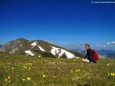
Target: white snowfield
<point>34,44</point>
<point>28,52</point>
<point>68,54</point>
<point>59,52</point>
<point>41,48</point>
<point>55,50</point>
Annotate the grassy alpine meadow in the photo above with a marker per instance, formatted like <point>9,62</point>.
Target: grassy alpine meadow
<point>18,70</point>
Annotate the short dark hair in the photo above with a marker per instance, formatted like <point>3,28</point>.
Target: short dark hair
<point>87,45</point>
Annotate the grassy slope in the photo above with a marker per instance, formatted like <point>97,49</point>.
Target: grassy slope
<point>32,71</point>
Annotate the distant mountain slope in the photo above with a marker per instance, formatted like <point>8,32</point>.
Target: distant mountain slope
<point>1,46</point>
<point>107,53</point>
<point>102,53</point>
<point>38,48</point>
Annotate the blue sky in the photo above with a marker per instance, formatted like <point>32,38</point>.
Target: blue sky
<point>70,23</point>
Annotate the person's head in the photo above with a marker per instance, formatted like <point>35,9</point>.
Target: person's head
<point>87,46</point>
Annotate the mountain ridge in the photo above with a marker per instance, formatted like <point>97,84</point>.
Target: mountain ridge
<point>38,48</point>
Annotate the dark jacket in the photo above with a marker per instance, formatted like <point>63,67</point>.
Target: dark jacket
<point>89,55</point>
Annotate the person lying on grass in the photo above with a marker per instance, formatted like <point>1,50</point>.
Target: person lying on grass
<point>91,55</point>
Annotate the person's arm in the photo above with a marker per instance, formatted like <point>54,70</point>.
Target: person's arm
<point>90,55</point>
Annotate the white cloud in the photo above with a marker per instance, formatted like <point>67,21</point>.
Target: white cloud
<point>112,42</point>
<point>108,43</point>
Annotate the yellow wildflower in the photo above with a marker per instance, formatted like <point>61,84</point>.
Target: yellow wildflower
<point>77,70</point>
<point>24,67</point>
<point>9,77</point>
<point>28,78</point>
<point>108,64</point>
<point>6,80</point>
<point>29,68</point>
<point>43,76</point>
<point>112,74</point>
<point>12,68</point>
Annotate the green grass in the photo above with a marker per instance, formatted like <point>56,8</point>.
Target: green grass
<point>17,70</point>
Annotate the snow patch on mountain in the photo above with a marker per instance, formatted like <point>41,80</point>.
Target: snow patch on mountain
<point>41,48</point>
<point>28,52</point>
<point>68,54</point>
<point>34,44</point>
<point>59,52</point>
<point>55,50</point>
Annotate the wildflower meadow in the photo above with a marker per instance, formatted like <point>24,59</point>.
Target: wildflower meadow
<point>18,70</point>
